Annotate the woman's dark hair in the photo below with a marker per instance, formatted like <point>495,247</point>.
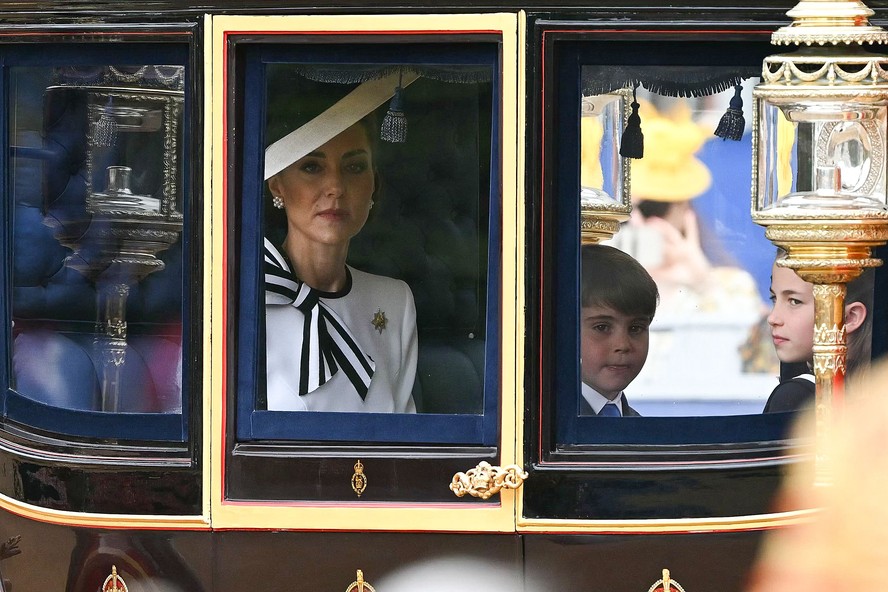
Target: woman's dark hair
<point>612,278</point>
<point>292,101</point>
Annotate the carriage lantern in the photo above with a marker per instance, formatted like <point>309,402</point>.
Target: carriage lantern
<point>819,182</point>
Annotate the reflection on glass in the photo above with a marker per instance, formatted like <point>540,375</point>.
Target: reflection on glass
<point>601,167</point>
<point>97,177</point>
<point>710,346</point>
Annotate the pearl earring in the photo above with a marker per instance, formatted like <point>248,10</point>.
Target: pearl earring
<point>277,202</point>
<point>371,204</point>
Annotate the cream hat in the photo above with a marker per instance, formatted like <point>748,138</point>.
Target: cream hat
<point>353,107</point>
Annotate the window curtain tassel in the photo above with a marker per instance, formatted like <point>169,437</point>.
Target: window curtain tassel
<point>632,142</point>
<point>732,123</point>
<point>394,124</point>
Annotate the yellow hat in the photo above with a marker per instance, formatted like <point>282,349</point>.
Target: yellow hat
<point>591,132</point>
<point>669,171</point>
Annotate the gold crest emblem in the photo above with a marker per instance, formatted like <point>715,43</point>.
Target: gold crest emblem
<point>359,480</point>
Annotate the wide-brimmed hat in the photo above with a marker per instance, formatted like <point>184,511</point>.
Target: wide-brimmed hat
<point>669,171</point>
<point>335,119</point>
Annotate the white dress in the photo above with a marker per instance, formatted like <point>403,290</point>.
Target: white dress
<point>380,316</point>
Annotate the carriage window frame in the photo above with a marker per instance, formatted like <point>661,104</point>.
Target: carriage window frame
<point>562,436</point>
<point>125,429</point>
<point>306,483</point>
<point>256,425</point>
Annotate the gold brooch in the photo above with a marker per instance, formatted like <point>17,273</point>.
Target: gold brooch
<point>379,321</point>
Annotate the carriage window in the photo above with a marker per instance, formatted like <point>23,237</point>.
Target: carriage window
<point>365,275</point>
<point>96,176</point>
<point>694,280</point>
<point>691,230</point>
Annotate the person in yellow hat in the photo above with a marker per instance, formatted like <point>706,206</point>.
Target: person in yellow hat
<point>664,233</point>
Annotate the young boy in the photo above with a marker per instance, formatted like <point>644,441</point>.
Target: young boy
<point>792,331</point>
<point>617,305</point>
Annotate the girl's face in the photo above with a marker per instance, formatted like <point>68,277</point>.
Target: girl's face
<point>327,193</point>
<point>792,318</point>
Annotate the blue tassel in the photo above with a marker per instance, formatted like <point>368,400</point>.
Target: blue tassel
<point>394,124</point>
<point>732,123</point>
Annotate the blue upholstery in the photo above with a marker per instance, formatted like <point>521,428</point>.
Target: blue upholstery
<point>429,227</point>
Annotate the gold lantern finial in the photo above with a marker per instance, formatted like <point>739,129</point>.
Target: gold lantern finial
<point>829,22</point>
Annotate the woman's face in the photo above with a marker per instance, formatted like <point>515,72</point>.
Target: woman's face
<point>792,318</point>
<point>327,193</point>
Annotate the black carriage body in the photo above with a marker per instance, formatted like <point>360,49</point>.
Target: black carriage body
<point>214,491</point>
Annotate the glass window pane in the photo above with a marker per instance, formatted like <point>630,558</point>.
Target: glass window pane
<point>97,181</point>
<point>377,193</point>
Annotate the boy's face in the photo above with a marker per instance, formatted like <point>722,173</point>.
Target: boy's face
<point>792,318</point>
<point>613,348</point>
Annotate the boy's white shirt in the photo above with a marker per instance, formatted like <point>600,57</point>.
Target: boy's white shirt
<point>597,401</point>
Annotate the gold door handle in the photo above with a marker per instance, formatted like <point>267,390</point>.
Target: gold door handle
<point>485,480</point>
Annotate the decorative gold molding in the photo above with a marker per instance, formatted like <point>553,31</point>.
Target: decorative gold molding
<point>790,69</point>
<point>668,526</point>
<point>486,480</point>
<point>92,520</point>
<point>594,228</point>
<point>359,585</point>
<point>830,22</point>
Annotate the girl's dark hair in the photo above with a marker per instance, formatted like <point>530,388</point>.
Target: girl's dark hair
<point>860,342</point>
<point>612,278</point>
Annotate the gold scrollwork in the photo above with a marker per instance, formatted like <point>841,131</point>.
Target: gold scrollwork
<point>829,364</point>
<point>485,480</point>
<point>829,291</point>
<point>359,585</point>
<point>829,334</point>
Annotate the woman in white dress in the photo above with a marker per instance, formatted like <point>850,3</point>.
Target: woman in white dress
<point>337,338</point>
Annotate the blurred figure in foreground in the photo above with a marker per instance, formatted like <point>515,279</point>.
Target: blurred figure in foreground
<point>844,544</point>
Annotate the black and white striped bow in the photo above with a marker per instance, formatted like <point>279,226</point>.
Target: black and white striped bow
<point>327,344</point>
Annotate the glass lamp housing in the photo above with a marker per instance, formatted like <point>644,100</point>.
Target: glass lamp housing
<point>604,175</point>
<point>821,146</point>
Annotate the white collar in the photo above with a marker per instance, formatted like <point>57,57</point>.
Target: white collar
<point>597,401</point>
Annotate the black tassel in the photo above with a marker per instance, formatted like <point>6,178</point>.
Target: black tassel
<point>394,124</point>
<point>632,142</point>
<point>732,122</point>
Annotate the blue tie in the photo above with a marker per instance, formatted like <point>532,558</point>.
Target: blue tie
<point>610,410</point>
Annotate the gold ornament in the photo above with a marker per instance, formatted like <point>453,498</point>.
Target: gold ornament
<point>379,321</point>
